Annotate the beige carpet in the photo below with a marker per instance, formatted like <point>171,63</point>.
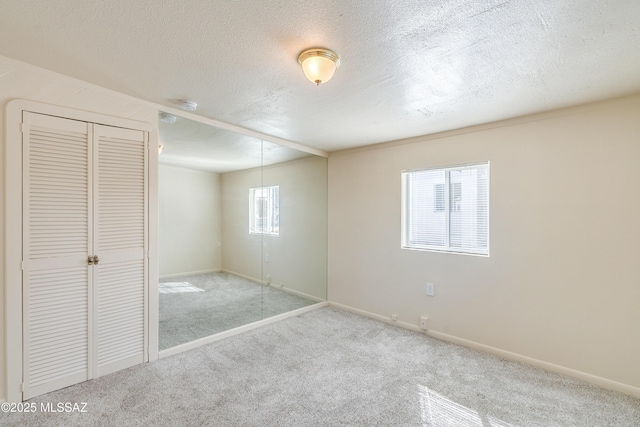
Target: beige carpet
<point>332,368</point>
<point>214,302</point>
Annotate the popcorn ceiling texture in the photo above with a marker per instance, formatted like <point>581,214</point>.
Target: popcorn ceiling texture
<point>408,68</point>
<point>326,368</point>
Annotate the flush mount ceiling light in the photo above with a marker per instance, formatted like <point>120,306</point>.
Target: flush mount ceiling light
<point>319,64</point>
<point>187,105</point>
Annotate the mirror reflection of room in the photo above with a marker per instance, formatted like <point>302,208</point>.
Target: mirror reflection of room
<point>242,231</point>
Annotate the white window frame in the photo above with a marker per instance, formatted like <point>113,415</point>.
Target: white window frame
<point>406,213</point>
<point>271,225</point>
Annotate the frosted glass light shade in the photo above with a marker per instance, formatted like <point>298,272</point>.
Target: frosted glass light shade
<point>318,64</point>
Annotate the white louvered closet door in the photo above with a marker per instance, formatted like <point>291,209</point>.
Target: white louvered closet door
<point>56,240</point>
<point>120,242</point>
<point>85,263</point>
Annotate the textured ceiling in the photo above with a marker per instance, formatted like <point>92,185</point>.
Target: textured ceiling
<point>195,145</point>
<point>408,68</point>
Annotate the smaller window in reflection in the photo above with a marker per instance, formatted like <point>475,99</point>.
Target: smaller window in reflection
<point>264,210</point>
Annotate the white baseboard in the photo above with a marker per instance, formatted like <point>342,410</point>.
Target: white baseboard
<point>276,286</point>
<point>189,273</point>
<point>379,317</point>
<point>593,379</point>
<point>297,293</point>
<point>249,278</point>
<point>239,330</point>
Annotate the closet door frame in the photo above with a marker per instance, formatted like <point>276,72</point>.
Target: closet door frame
<point>13,368</point>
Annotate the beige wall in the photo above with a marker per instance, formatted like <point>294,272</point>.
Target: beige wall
<point>562,283</point>
<point>190,221</point>
<point>241,251</point>
<point>22,81</point>
<point>297,258</point>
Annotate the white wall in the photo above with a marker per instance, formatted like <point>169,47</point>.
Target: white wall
<point>562,284</point>
<point>20,80</point>
<point>297,258</point>
<point>190,221</point>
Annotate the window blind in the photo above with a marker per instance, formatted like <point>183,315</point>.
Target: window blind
<point>264,210</point>
<point>447,209</point>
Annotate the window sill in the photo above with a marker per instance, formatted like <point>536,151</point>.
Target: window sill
<point>446,251</point>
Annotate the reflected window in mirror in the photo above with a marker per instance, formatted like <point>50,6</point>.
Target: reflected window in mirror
<point>264,210</point>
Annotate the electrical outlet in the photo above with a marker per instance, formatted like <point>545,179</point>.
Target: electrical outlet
<point>266,258</point>
<point>423,322</point>
<point>394,317</point>
<point>431,289</point>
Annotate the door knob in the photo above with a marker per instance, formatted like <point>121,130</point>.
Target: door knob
<point>90,260</point>
<point>96,259</point>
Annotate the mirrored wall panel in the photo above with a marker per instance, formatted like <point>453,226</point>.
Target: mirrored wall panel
<point>294,251</point>
<point>242,230</point>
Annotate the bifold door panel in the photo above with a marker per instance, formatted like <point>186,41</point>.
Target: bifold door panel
<point>84,251</point>
<point>56,229</point>
<point>120,242</point>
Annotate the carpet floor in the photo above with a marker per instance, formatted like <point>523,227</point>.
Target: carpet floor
<point>328,367</point>
<point>197,306</point>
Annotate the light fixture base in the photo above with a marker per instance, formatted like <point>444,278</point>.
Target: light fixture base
<point>187,104</point>
<point>319,51</point>
<point>167,118</point>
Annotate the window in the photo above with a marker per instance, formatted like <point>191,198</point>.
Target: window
<point>264,210</point>
<point>446,209</point>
